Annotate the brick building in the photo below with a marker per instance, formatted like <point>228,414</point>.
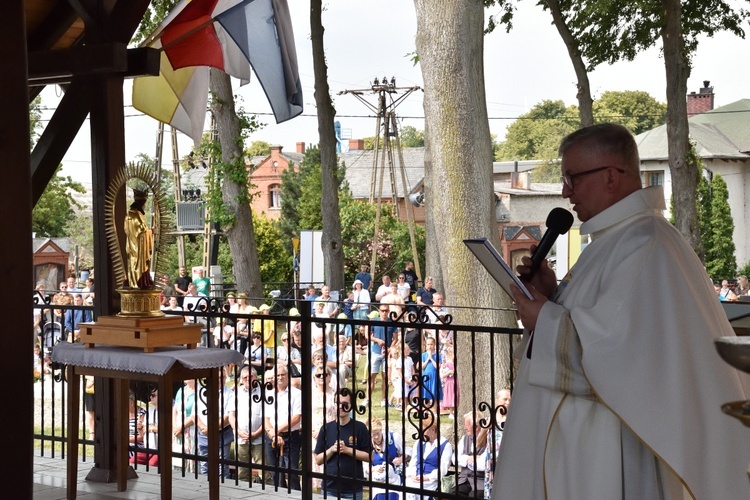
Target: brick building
<point>265,177</point>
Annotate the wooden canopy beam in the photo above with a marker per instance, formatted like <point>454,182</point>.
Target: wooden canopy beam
<point>78,61</point>
<point>54,26</point>
<point>57,137</point>
<point>61,66</point>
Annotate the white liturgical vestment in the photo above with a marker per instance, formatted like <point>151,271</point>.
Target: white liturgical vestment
<point>621,394</point>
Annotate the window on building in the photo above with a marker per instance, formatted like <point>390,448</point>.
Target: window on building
<point>653,178</point>
<point>274,196</point>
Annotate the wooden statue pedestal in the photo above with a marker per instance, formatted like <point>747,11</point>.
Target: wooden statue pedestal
<point>145,333</point>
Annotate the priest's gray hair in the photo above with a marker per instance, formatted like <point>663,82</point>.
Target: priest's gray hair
<point>606,139</point>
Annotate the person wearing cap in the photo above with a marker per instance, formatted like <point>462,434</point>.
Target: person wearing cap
<point>361,299</point>
<point>231,302</point>
<point>265,327</point>
<point>295,326</point>
<point>346,306</point>
<point>346,329</point>
<point>242,323</point>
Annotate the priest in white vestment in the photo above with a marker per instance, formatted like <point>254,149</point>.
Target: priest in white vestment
<point>620,386</point>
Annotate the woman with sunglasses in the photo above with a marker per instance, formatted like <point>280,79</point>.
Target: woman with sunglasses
<point>323,410</point>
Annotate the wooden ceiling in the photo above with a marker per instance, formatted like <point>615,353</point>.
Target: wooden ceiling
<point>52,24</point>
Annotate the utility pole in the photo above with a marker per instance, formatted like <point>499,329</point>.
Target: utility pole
<point>210,233</point>
<point>386,126</point>
<point>176,184</point>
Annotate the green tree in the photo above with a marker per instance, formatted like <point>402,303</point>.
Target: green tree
<point>35,115</point>
<point>156,12</point>
<point>703,199</point>
<point>56,207</point>
<point>634,109</point>
<point>411,137</point>
<point>536,135</point>
<point>301,194</point>
<point>258,148</point>
<point>394,245</point>
<point>613,30</point>
<point>80,230</point>
<point>275,259</point>
<point>720,259</point>
<point>299,189</point>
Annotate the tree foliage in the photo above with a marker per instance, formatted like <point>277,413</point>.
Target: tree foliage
<point>635,110</point>
<point>394,244</point>
<point>301,209</point>
<point>720,259</point>
<point>614,30</point>
<point>703,201</point>
<point>258,148</point>
<point>35,115</point>
<point>80,231</point>
<point>411,137</point>
<point>275,259</point>
<point>56,207</point>
<point>156,12</point>
<point>300,197</point>
<point>536,135</point>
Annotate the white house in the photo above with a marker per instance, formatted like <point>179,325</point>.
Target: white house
<point>722,140</point>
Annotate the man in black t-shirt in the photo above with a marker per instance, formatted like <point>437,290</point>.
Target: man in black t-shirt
<point>411,276</point>
<point>343,446</point>
<point>181,284</point>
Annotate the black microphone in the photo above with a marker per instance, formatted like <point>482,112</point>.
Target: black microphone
<point>558,222</point>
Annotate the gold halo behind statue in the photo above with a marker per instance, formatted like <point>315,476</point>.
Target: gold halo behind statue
<point>135,301</point>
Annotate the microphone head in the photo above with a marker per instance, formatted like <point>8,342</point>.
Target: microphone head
<point>559,220</point>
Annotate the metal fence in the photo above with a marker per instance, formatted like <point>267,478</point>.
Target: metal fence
<point>416,398</point>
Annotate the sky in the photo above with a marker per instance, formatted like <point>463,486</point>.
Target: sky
<point>366,39</point>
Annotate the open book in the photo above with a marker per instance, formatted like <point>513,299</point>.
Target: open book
<point>495,265</point>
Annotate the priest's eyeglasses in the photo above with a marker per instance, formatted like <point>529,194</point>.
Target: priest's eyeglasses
<point>567,179</point>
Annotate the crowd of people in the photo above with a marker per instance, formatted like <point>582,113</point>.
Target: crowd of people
<point>733,292</point>
<point>261,399</point>
<point>578,429</point>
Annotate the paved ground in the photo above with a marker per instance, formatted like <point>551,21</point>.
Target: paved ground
<point>49,484</point>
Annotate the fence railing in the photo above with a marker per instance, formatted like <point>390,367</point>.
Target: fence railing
<point>410,374</point>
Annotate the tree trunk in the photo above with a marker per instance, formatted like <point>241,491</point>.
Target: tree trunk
<point>460,196</point>
<point>683,169</point>
<point>432,255</point>
<point>585,102</point>
<point>333,251</point>
<point>240,234</point>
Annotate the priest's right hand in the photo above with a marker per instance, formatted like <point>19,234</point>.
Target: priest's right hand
<point>544,280</point>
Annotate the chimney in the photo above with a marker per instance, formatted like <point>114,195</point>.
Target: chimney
<point>356,144</point>
<point>519,180</point>
<point>702,101</point>
<point>300,147</point>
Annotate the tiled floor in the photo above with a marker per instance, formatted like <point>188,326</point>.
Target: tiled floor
<point>49,484</point>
